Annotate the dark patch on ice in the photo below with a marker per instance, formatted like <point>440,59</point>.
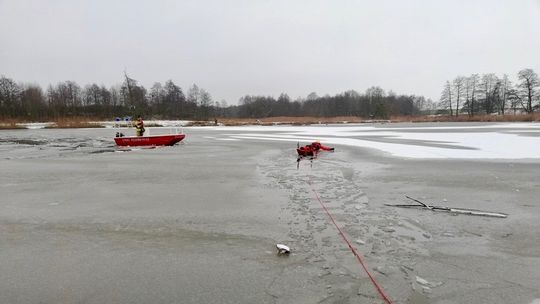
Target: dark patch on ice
<point>27,148</point>
<point>525,134</point>
<point>416,142</point>
<point>102,151</point>
<point>19,141</point>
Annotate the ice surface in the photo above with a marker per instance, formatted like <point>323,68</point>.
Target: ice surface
<point>176,223</point>
<point>497,141</point>
<point>424,141</point>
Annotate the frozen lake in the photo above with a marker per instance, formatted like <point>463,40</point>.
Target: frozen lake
<point>497,141</point>
<point>427,141</point>
<point>83,221</point>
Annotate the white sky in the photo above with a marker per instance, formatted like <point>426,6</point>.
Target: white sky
<point>233,48</point>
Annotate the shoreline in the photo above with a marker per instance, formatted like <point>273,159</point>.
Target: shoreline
<point>66,123</point>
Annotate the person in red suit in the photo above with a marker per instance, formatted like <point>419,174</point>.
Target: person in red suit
<point>312,149</point>
<point>316,146</point>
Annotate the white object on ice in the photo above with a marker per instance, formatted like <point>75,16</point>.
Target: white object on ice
<point>425,282</point>
<point>421,280</point>
<point>283,249</point>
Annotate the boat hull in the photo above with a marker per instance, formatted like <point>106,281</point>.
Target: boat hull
<point>157,140</point>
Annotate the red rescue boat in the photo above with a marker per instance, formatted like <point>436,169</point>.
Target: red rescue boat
<point>154,140</point>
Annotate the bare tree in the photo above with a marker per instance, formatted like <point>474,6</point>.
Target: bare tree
<point>471,89</point>
<point>9,93</point>
<point>193,99</point>
<point>174,100</point>
<point>505,88</point>
<point>205,103</point>
<point>156,94</point>
<point>73,92</point>
<point>281,107</point>
<point>459,88</point>
<point>116,100</point>
<point>156,99</point>
<point>489,89</point>
<point>33,102</point>
<point>376,96</point>
<point>446,97</point>
<point>312,96</point>
<point>194,94</point>
<point>64,99</point>
<point>92,95</point>
<point>134,96</point>
<point>527,88</point>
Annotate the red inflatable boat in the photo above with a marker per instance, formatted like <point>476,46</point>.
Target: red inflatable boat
<point>155,140</point>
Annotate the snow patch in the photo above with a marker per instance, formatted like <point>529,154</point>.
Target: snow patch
<point>228,139</point>
<point>482,142</point>
<point>36,125</point>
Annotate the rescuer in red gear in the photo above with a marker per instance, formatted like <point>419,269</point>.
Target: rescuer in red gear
<point>316,146</point>
<point>312,149</point>
<point>305,151</point>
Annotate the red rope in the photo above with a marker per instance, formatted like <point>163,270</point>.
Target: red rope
<point>351,247</point>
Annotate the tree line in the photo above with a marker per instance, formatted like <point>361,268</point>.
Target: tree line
<point>490,94</point>
<point>373,103</point>
<point>68,99</point>
<point>168,101</point>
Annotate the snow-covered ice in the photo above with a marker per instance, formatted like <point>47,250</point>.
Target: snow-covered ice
<point>494,141</point>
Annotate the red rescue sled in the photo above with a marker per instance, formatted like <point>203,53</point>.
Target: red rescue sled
<point>155,140</point>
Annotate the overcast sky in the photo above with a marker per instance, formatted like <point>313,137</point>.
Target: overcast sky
<point>233,48</point>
